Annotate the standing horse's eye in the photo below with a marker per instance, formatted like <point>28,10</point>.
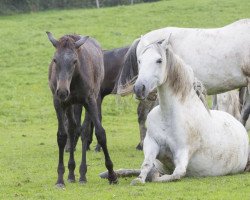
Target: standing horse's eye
<point>139,61</point>
<point>75,61</point>
<point>159,61</point>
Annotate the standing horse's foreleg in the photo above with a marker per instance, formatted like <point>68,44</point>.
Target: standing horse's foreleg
<point>151,150</point>
<point>245,108</point>
<point>101,138</point>
<point>142,115</point>
<point>85,138</point>
<point>214,102</point>
<point>61,141</point>
<point>71,132</point>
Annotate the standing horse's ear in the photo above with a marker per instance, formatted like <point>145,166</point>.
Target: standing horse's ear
<point>52,39</point>
<point>81,41</point>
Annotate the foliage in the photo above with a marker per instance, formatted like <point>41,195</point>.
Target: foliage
<point>28,125</point>
<point>19,6</point>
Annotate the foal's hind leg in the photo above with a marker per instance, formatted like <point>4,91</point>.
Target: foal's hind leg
<point>71,131</point>
<point>101,138</point>
<point>85,138</point>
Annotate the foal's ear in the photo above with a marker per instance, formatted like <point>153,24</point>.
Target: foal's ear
<point>81,41</point>
<point>52,39</point>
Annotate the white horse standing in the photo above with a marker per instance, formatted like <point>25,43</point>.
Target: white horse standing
<point>182,133</point>
<point>219,57</point>
<point>230,102</point>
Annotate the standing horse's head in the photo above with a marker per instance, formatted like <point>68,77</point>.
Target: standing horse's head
<point>152,69</point>
<point>65,61</point>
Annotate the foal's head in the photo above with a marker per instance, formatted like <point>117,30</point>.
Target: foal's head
<point>65,61</point>
<point>152,69</point>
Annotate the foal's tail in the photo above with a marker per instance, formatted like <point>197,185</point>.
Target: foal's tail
<point>122,173</point>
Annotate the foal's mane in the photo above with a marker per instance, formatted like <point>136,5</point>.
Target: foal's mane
<point>67,41</point>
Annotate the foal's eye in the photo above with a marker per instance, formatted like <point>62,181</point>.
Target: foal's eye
<point>75,61</point>
<point>159,61</point>
<point>54,60</point>
<point>139,61</point>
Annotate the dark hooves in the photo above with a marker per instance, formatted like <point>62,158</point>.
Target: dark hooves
<point>113,179</point>
<point>60,185</point>
<point>139,147</point>
<point>71,180</point>
<point>98,148</point>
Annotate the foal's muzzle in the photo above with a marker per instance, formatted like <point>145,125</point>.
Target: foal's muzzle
<point>62,94</point>
<point>140,91</point>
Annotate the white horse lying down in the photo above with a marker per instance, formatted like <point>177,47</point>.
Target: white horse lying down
<point>182,134</point>
<point>219,57</point>
<point>230,102</point>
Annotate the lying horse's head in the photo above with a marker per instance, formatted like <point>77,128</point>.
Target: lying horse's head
<point>65,61</point>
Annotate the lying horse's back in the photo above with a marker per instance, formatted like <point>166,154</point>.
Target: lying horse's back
<point>223,147</point>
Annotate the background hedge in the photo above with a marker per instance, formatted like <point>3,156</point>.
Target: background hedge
<point>21,6</point>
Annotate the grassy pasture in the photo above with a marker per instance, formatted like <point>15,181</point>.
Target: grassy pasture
<point>28,147</point>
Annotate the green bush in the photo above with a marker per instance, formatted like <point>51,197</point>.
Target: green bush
<point>20,6</point>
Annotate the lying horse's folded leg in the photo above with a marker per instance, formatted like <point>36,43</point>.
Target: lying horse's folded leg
<point>181,162</point>
<point>151,151</point>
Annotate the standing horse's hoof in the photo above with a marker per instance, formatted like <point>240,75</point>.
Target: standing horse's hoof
<point>137,181</point>
<point>60,185</point>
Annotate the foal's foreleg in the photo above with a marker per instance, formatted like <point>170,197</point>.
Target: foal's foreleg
<point>101,138</point>
<point>71,132</point>
<point>151,150</point>
<point>61,141</point>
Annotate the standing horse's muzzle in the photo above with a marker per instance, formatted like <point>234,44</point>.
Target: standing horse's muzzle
<point>140,91</point>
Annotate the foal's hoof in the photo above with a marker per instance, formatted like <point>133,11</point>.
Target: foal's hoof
<point>98,149</point>
<point>113,179</point>
<point>70,180</point>
<point>137,181</point>
<point>82,182</point>
<point>60,185</point>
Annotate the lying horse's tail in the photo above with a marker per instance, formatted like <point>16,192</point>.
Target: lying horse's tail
<point>247,168</point>
<point>122,173</point>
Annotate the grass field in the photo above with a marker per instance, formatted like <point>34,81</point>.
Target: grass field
<point>28,147</point>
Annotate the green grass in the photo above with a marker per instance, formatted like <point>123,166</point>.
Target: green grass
<point>28,147</point>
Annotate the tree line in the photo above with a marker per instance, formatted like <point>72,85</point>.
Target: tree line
<point>21,6</point>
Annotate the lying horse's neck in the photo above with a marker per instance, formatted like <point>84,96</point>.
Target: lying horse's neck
<point>178,86</point>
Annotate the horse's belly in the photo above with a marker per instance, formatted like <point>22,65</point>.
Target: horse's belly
<point>224,148</point>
